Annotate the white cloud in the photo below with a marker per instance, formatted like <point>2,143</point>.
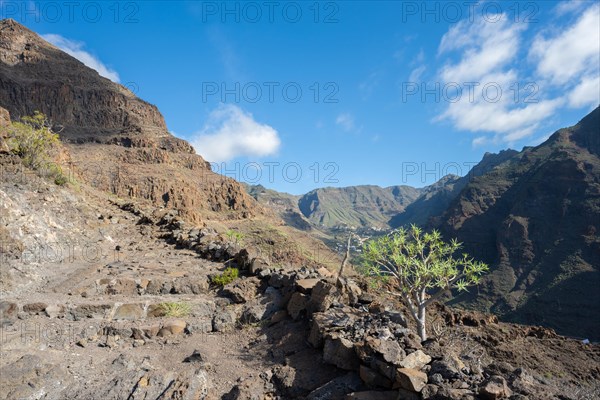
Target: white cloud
<point>230,132</point>
<point>586,93</point>
<point>480,141</point>
<point>415,75</point>
<point>75,49</point>
<point>508,124</point>
<point>346,121</point>
<point>418,61</point>
<point>486,51</point>
<point>570,6</point>
<point>572,51</point>
<point>486,47</point>
<point>565,73</point>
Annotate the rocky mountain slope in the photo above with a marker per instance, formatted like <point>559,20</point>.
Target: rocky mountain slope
<point>108,292</point>
<point>435,199</point>
<point>366,206</point>
<point>91,313</point>
<point>284,204</point>
<point>118,142</point>
<point>532,215</point>
<point>535,218</point>
<point>356,206</point>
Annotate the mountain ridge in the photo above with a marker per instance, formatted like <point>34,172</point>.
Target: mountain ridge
<point>117,142</point>
<point>535,220</point>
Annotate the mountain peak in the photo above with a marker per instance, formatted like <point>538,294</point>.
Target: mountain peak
<point>88,106</point>
<point>587,132</point>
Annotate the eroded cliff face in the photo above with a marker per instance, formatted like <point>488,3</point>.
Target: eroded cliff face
<point>535,219</point>
<point>38,76</point>
<point>117,142</point>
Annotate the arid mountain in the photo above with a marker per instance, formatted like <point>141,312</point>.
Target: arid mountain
<point>117,141</point>
<point>356,206</point>
<point>435,199</point>
<point>111,288</point>
<point>535,218</point>
<point>532,215</point>
<point>368,206</point>
<point>284,204</point>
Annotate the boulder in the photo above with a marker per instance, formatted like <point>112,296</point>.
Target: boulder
<point>410,379</point>
<point>117,331</point>
<point>397,317</point>
<point>245,257</point>
<point>391,351</point>
<point>280,279</point>
<point>257,265</point>
<point>388,350</point>
<point>97,311</point>
<point>262,308</point>
<point>495,388</point>
<point>35,308</point>
<point>129,312</point>
<point>175,327</point>
<point>415,360</point>
<point>322,296</point>
<point>450,367</point>
<point>123,286</point>
<point>186,285</point>
<point>254,313</point>
<point>156,311</point>
<point>297,305</point>
<point>373,378</point>
<point>204,325</point>
<point>243,290</point>
<point>55,311</point>
<point>151,330</point>
<point>319,322</point>
<point>306,285</point>
<point>340,352</point>
<point>159,286</point>
<point>224,321</point>
<point>354,292</point>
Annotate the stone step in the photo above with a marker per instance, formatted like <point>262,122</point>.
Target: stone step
<point>144,309</point>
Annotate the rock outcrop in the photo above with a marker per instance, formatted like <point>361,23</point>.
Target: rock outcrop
<point>535,219</point>
<point>118,142</point>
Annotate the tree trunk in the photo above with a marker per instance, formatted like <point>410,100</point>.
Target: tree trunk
<point>421,323</point>
<point>345,260</point>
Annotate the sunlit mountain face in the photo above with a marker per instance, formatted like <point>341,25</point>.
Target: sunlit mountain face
<point>299,200</point>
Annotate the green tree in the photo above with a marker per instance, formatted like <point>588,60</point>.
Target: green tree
<point>423,266</point>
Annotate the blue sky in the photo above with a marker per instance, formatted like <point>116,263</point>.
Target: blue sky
<point>299,95</point>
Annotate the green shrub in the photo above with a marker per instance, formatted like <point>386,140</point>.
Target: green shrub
<point>422,266</point>
<point>234,236</point>
<point>229,275</point>
<point>55,172</point>
<point>173,309</point>
<point>33,141</point>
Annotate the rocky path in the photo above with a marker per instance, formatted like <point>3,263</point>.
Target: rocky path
<point>105,299</point>
<point>84,302</point>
